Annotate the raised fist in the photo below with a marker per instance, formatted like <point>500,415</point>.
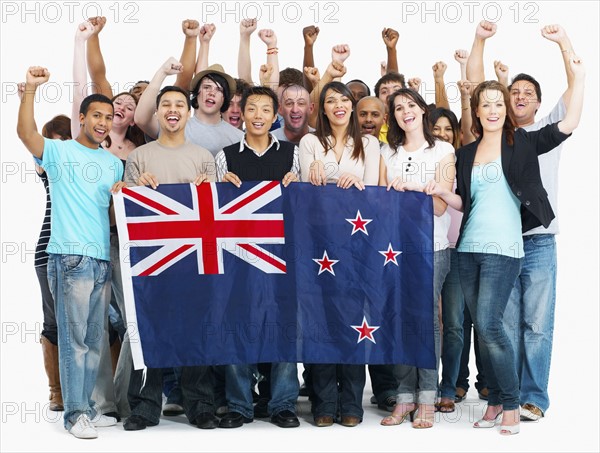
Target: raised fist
<point>340,53</point>
<point>98,22</point>
<point>390,37</point>
<point>485,29</point>
<point>268,36</point>
<point>461,56</point>
<point>247,27</point>
<point>310,34</point>
<point>207,31</point>
<point>554,32</point>
<point>439,69</point>
<point>172,66</point>
<point>36,75</point>
<point>190,28</point>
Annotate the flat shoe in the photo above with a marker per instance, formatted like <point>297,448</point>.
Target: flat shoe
<point>445,407</point>
<point>458,397</point>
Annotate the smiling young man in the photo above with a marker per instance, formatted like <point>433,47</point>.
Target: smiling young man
<point>259,157</point>
<point>371,115</point>
<point>171,159</point>
<point>295,108</point>
<point>80,174</point>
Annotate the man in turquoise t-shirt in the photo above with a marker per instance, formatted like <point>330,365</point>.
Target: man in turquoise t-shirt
<point>80,174</point>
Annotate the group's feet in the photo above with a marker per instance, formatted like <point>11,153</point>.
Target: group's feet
<point>508,420</point>
<point>399,414</point>
<point>425,416</point>
<point>445,405</point>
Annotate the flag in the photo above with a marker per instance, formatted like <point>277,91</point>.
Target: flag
<point>214,274</point>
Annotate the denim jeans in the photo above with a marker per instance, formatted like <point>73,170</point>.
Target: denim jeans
<point>384,381</point>
<point>80,286</point>
<point>284,388</point>
<point>49,329</point>
<point>529,318</point>
<point>421,384</point>
<point>487,281</point>
<point>462,380</point>
<point>330,400</point>
<point>196,387</point>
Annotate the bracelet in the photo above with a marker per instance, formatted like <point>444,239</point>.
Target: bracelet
<point>272,48</point>
<point>272,52</point>
<point>466,108</point>
<point>566,50</point>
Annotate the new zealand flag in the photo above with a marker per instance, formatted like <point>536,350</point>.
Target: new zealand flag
<point>213,274</point>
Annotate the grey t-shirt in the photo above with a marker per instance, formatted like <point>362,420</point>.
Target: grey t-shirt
<point>213,137</point>
<point>549,167</point>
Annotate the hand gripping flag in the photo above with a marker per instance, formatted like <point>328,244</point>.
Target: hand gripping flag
<point>213,274</point>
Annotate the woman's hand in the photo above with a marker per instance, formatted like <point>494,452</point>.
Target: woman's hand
<point>348,180</point>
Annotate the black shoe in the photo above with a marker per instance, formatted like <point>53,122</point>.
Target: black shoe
<point>136,423</point>
<point>172,410</point>
<point>114,415</point>
<point>285,419</point>
<point>303,391</point>
<point>261,409</point>
<point>206,420</point>
<point>387,404</point>
<point>255,396</point>
<point>233,420</point>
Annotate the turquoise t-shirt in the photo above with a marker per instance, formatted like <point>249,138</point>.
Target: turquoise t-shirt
<point>80,179</point>
<point>494,223</point>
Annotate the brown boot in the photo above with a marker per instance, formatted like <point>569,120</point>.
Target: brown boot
<point>51,365</point>
<point>115,350</point>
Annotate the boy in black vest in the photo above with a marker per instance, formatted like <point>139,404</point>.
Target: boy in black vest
<point>259,157</point>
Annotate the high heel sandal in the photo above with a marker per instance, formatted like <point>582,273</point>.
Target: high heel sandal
<point>426,417</point>
<point>483,423</point>
<point>397,419</point>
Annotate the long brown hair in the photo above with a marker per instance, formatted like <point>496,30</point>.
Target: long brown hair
<point>59,125</point>
<point>509,123</point>
<point>323,131</point>
<point>396,136</point>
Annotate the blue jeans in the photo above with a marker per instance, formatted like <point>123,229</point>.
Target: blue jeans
<point>529,318</point>
<point>462,380</point>
<point>239,383</point>
<point>80,286</point>
<point>421,384</point>
<point>487,281</point>
<point>328,398</point>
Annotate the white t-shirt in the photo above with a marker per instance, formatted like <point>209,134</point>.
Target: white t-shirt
<point>420,166</point>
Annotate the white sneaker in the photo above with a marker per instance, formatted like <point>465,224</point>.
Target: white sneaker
<point>83,429</point>
<point>101,421</point>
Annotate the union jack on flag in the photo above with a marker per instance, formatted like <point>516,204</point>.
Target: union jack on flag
<point>206,229</point>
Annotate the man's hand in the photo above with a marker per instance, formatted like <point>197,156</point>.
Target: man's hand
<point>340,53</point>
<point>439,69</point>
<point>466,88</point>
<point>202,177</point>
<point>414,84</point>
<point>310,34</point>
<point>390,37</point>
<point>172,66</point>
<point>207,31</point>
<point>247,27</point>
<point>288,178</point>
<point>501,72</point>
<point>268,36</point>
<point>190,28</point>
<point>485,30</point>
<point>36,75</point>
<point>116,188</point>
<point>266,71</point>
<point>312,74</point>
<point>84,31</point>
<point>336,69</point>
<point>554,33</point>
<point>147,179</point>
<point>461,56</point>
<point>233,179</point>
<point>98,22</point>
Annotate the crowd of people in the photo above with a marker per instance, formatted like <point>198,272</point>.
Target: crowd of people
<point>492,174</point>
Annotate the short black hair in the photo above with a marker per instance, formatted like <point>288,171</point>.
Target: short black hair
<point>528,78</point>
<point>260,91</point>
<point>360,81</point>
<point>97,97</point>
<point>170,88</point>
<point>390,77</point>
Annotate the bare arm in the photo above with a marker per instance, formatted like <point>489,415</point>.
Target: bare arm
<point>575,104</point>
<point>335,70</point>
<point>501,71</point>
<point>461,56</point>
<point>191,30</point>
<point>26,127</point>
<point>270,39</point>
<point>247,27</point>
<point>310,34</point>
<point>390,39</point>
<point>144,113</point>
<point>557,34</point>
<point>207,31</point>
<point>475,68</point>
<point>466,121</point>
<point>95,60</point>
<point>84,31</point>
<point>441,98</point>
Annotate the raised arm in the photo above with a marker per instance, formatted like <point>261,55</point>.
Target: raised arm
<point>26,127</point>
<point>84,31</point>
<point>501,71</point>
<point>466,121</point>
<point>441,98</point>
<point>247,27</point>
<point>390,39</point>
<point>575,104</point>
<point>270,39</point>
<point>95,60</point>
<point>191,30</point>
<point>335,70</point>
<point>340,53</point>
<point>557,34</point>
<point>461,56</point>
<point>144,113</point>
<point>207,31</point>
<point>310,35</point>
<point>475,68</point>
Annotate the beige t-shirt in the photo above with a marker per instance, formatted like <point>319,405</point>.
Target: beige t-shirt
<point>179,165</point>
<point>367,169</point>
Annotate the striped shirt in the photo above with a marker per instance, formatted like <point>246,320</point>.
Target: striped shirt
<point>41,257</point>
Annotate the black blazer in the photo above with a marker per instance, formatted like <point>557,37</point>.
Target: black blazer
<point>522,171</point>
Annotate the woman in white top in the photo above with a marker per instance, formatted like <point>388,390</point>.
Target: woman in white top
<point>411,159</point>
<point>337,152</point>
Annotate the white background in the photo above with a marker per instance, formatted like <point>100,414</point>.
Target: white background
<point>140,36</point>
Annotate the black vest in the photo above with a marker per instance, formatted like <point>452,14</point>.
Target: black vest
<point>271,166</point>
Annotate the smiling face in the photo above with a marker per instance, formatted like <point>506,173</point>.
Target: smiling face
<point>295,108</point>
<point>491,110</point>
<point>371,115</point>
<point>524,101</point>
<point>259,115</point>
<point>172,112</point>
<point>442,129</point>
<point>233,115</point>
<point>337,108</point>
<point>408,114</point>
<point>124,111</point>
<point>96,124</point>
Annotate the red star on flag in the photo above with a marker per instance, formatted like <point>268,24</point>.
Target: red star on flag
<point>390,255</point>
<point>359,224</point>
<point>365,331</point>
<point>325,264</point>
